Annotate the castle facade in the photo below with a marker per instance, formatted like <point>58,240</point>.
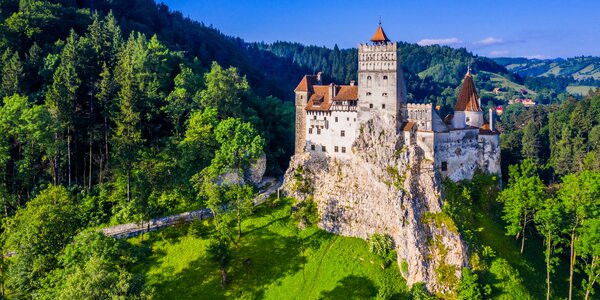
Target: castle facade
<point>329,117</point>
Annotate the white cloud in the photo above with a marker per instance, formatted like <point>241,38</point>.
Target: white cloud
<point>446,41</point>
<point>489,41</point>
<point>499,53</point>
<point>537,56</point>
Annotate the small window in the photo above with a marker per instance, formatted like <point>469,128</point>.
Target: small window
<point>371,105</point>
<point>368,93</point>
<point>382,105</point>
<point>384,94</point>
<point>335,149</point>
<point>318,130</point>
<point>444,166</point>
<point>323,149</point>
<point>336,119</point>
<point>314,117</point>
<point>343,149</point>
<point>385,77</point>
<point>301,97</point>
<point>368,77</point>
<point>468,119</point>
<point>354,119</point>
<point>310,130</point>
<point>348,119</point>
<point>312,147</point>
<point>325,118</point>
<point>343,133</point>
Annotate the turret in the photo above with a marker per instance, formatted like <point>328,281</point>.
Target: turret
<point>467,111</point>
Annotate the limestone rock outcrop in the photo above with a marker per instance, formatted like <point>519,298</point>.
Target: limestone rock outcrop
<point>387,187</point>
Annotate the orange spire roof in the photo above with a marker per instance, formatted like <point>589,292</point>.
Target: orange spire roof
<point>379,35</point>
<point>468,100</point>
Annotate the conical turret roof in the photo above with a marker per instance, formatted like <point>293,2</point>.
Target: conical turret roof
<point>468,100</point>
<point>379,36</point>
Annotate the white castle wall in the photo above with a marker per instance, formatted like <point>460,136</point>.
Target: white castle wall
<point>325,129</point>
<point>459,150</point>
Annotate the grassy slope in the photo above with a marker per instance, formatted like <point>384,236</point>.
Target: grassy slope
<point>507,84</point>
<point>273,261</point>
<point>580,89</point>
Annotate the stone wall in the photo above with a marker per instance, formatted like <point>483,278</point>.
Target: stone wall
<point>384,187</point>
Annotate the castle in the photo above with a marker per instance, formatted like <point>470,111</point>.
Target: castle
<point>329,117</point>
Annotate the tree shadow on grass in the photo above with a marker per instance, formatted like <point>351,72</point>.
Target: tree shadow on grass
<point>351,287</point>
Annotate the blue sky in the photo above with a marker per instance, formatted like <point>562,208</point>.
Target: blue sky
<point>526,28</point>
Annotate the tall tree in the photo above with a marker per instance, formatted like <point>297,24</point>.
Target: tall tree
<point>522,197</point>
<point>589,245</point>
<point>225,90</point>
<point>579,194</point>
<point>549,221</point>
<point>127,137</point>
<point>62,95</point>
<point>12,75</point>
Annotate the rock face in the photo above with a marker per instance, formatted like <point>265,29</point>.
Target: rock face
<point>385,187</point>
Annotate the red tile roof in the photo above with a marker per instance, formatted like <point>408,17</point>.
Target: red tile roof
<point>306,83</point>
<point>379,36</point>
<point>319,101</point>
<point>468,100</point>
<point>408,126</point>
<point>346,92</point>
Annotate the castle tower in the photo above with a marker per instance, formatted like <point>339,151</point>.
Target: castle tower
<point>303,92</point>
<point>467,111</point>
<point>381,87</point>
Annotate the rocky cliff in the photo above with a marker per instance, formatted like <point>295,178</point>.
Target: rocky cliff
<point>386,187</point>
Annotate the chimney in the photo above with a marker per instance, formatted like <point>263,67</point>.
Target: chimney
<point>332,90</point>
<point>319,78</point>
<point>352,82</point>
<point>492,120</point>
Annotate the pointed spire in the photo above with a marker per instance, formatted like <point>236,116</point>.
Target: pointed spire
<point>468,100</point>
<point>379,36</point>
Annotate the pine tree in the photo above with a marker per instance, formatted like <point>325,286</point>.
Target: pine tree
<point>12,75</point>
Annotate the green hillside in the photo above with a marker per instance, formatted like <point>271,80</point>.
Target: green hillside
<point>580,68</point>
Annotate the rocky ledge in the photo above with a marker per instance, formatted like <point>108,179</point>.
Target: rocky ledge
<point>385,187</point>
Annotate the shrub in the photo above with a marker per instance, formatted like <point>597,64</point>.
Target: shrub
<point>382,245</point>
<point>469,288</point>
<point>419,292</point>
<point>306,213</point>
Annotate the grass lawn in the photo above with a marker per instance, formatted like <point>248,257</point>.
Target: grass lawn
<point>274,260</point>
<point>580,89</point>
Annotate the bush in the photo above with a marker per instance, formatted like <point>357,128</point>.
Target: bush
<point>306,213</point>
<point>469,288</point>
<point>197,229</point>
<point>382,245</point>
<point>419,292</point>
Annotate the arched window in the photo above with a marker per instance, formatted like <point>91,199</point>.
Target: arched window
<point>385,77</point>
<point>369,81</point>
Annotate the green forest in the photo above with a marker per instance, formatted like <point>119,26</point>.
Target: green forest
<point>118,111</point>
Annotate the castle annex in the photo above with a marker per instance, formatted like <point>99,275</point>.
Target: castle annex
<point>329,117</point>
